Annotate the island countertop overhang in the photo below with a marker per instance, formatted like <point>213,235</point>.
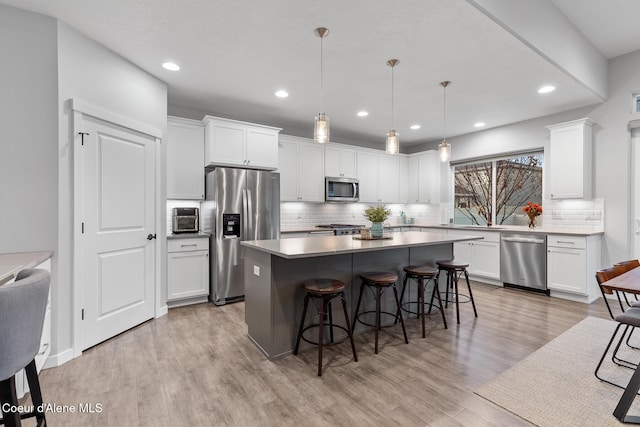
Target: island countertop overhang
<point>307,247</point>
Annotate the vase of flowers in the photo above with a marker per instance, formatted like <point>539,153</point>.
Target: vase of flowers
<point>532,210</point>
<point>377,215</point>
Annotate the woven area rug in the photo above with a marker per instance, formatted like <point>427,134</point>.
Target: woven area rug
<point>555,386</point>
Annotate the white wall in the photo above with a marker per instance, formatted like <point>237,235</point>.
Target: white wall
<point>96,75</point>
<point>29,123</point>
<point>28,115</point>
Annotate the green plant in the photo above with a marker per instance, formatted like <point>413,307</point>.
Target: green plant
<point>377,213</point>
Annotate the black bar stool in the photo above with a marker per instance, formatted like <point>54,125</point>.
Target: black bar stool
<point>423,274</point>
<point>454,270</point>
<point>379,281</point>
<point>324,291</point>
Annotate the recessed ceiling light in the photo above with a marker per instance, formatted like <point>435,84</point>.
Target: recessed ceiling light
<point>171,66</point>
<point>363,113</point>
<point>479,125</point>
<point>414,127</point>
<point>546,89</point>
<point>282,93</point>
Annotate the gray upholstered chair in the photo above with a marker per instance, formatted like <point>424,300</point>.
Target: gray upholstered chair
<point>22,310</point>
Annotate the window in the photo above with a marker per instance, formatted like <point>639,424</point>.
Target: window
<point>495,191</point>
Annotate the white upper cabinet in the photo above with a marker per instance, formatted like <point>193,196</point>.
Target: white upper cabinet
<point>235,143</point>
<point>424,177</point>
<point>569,160</point>
<point>185,159</point>
<point>379,177</point>
<point>301,168</point>
<point>339,161</point>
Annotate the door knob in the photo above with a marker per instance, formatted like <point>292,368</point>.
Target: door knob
<point>151,236</point>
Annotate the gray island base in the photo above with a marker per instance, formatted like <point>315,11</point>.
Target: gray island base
<point>274,271</point>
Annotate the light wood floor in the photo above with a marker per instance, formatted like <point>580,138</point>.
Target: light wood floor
<point>196,367</point>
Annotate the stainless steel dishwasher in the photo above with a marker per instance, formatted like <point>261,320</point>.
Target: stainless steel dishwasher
<point>523,261</point>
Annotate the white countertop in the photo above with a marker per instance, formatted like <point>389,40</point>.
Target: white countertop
<point>499,228</point>
<point>306,247</point>
<point>12,263</point>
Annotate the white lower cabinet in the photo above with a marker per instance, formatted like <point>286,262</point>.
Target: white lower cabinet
<point>187,271</point>
<point>483,256</point>
<point>571,265</point>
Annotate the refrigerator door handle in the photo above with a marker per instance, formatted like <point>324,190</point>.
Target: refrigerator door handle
<point>245,222</point>
<point>250,221</point>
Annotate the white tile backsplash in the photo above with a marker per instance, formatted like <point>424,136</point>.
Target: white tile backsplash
<point>574,213</point>
<point>299,214</point>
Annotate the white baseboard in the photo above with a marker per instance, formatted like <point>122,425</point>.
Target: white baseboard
<point>58,359</point>
<point>162,311</point>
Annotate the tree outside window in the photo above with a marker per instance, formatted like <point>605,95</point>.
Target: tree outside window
<point>494,192</point>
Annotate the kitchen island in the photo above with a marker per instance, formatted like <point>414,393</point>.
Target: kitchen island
<point>275,269</point>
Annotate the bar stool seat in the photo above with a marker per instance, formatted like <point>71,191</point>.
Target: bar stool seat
<point>380,281</point>
<point>420,273</point>
<point>324,291</point>
<point>454,270</point>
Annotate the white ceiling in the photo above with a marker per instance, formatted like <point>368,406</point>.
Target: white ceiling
<point>235,54</point>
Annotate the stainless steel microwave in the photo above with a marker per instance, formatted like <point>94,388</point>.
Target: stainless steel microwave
<point>338,189</point>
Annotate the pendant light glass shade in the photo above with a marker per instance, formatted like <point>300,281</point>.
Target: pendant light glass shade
<point>393,137</point>
<point>321,130</point>
<point>445,149</point>
<point>393,142</point>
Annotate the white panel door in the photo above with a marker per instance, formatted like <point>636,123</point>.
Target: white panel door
<point>389,179</point>
<point>368,176</point>
<point>117,247</point>
<point>635,170</point>
<point>262,148</point>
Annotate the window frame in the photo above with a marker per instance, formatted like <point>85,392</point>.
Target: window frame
<point>493,160</point>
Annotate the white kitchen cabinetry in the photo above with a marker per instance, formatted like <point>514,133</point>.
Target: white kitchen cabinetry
<point>572,262</point>
<point>22,385</point>
<point>379,177</point>
<point>185,159</point>
<point>483,256</point>
<point>424,177</point>
<point>570,160</point>
<point>301,168</point>
<point>187,270</point>
<point>235,143</point>
<point>339,161</point>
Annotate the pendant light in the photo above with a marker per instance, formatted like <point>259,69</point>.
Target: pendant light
<point>445,149</point>
<point>321,127</point>
<point>393,137</point>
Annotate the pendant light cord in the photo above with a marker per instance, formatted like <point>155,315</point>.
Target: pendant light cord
<point>321,79</point>
<point>444,115</point>
<point>392,98</point>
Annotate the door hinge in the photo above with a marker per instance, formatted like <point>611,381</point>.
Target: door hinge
<point>83,314</point>
<point>82,134</point>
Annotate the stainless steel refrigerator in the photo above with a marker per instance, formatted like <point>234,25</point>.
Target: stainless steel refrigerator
<point>240,204</point>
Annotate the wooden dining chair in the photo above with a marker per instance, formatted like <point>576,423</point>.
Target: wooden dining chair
<point>607,274</point>
<point>629,265</point>
<point>602,276</point>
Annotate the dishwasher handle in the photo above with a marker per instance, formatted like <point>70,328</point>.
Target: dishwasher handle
<point>523,240</point>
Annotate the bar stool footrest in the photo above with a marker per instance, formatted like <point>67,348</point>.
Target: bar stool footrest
<point>427,305</point>
<point>374,312</point>
<point>452,298</point>
<point>316,325</point>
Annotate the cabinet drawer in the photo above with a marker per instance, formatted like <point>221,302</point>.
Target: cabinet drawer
<point>184,245</point>
<point>567,242</point>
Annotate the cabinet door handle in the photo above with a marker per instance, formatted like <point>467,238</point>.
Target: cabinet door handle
<point>566,241</point>
<point>189,245</point>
